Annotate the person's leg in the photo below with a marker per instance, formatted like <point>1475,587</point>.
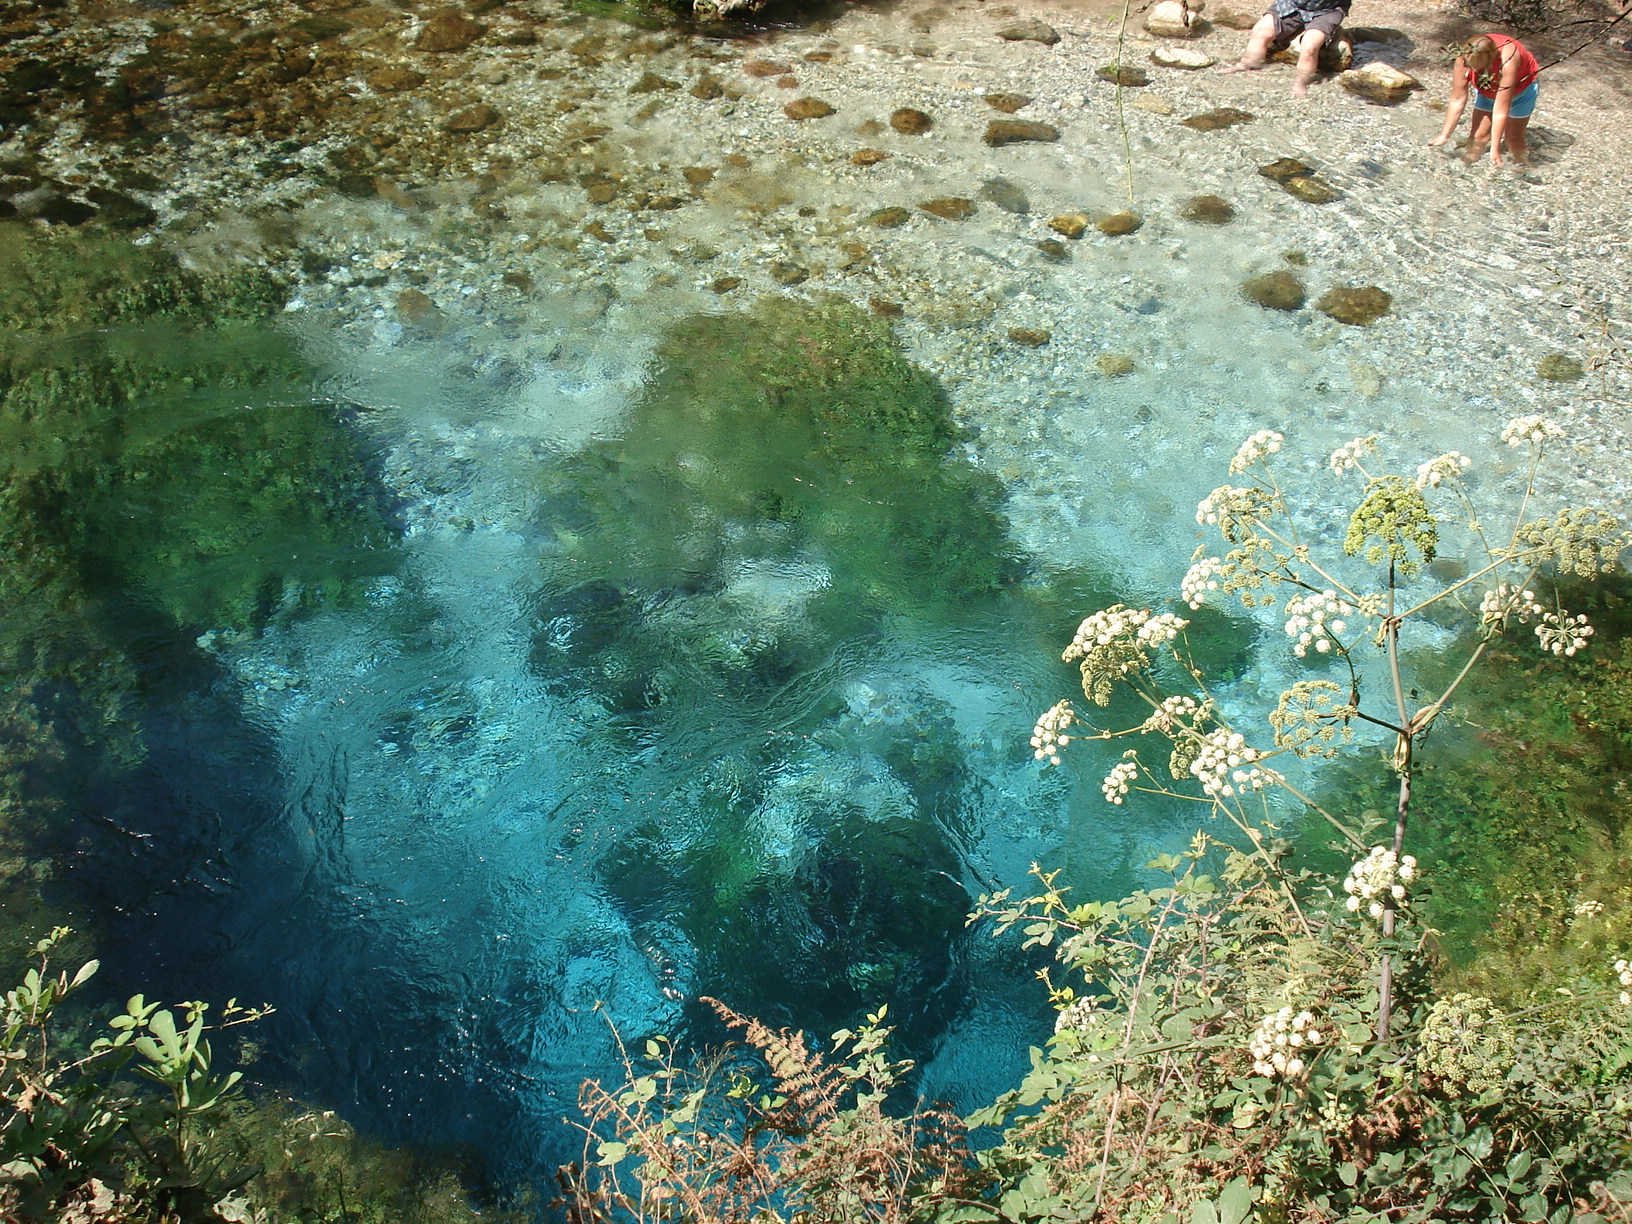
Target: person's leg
<point>1518,144</point>
<point>1308,45</point>
<point>1257,46</point>
<point>1478,137</point>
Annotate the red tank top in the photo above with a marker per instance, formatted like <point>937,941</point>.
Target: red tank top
<point>1528,70</point>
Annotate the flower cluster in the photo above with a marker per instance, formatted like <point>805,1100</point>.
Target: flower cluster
<point>1623,972</point>
<point>1506,601</point>
<point>1049,735</point>
<point>1348,456</point>
<point>1224,765</point>
<point>1200,578</point>
<point>1378,881</point>
<point>1562,633</point>
<point>1173,712</point>
<point>1116,782</point>
<point>1444,467</point>
<point>1104,628</point>
<point>1467,1044</point>
<point>1315,620</point>
<point>1532,428</point>
<point>1161,629</point>
<point>1280,1041</point>
<point>1264,442</point>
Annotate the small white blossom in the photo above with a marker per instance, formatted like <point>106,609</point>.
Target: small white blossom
<point>1200,578</point>
<point>1348,456</point>
<point>1103,628</point>
<point>1049,735</point>
<point>1623,971</point>
<point>1263,443</point>
<point>1444,467</point>
<point>1507,601</point>
<point>1532,428</point>
<point>1587,909</point>
<point>1116,782</point>
<point>1161,629</point>
<point>1276,1039</point>
<point>1316,620</point>
<point>1378,881</point>
<point>1214,509</point>
<point>1224,765</point>
<point>1173,712</point>
<point>1562,633</point>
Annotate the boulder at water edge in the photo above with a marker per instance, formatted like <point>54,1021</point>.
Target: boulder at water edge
<point>1380,82</point>
<point>1030,31</point>
<point>1174,19</point>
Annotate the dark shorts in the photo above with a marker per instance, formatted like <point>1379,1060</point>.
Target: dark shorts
<point>1289,25</point>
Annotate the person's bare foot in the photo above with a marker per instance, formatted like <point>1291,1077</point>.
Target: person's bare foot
<point>1300,89</point>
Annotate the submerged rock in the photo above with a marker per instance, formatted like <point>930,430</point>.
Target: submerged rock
<point>1127,75</point>
<point>1116,365</point>
<point>1010,197</point>
<point>1358,306</point>
<point>395,78</point>
<point>868,157</point>
<point>1008,103</point>
<point>889,218</point>
<point>1030,31</point>
<point>1284,169</point>
<point>1053,250</point>
<point>1117,224</point>
<point>471,119</point>
<point>910,122</point>
<point>1560,367</point>
<point>1000,132</point>
<point>949,208</point>
<point>1030,337</point>
<point>1208,210</point>
<point>1217,119</point>
<point>1069,225</point>
<point>1279,290</point>
<point>807,108</point>
<point>1311,190</point>
<point>448,30</point>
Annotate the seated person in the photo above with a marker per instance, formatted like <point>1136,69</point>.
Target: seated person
<point>1306,25</point>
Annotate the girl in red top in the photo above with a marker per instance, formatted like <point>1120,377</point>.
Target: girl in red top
<point>1503,75</point>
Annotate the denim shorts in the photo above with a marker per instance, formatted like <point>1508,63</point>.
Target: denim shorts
<point>1524,102</point>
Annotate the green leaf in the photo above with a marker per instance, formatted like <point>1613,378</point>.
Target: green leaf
<point>610,1151</point>
<point>1235,1203</point>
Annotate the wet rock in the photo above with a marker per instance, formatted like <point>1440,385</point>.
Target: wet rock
<point>1380,82</point>
<point>394,78</point>
<point>120,210</point>
<point>1006,195</point>
<point>949,208</point>
<point>1296,258</point>
<point>1182,57</point>
<point>1367,379</point>
<point>471,119</point>
<point>1053,250</point>
<point>885,309</point>
<point>56,209</point>
<point>767,68</point>
<point>1117,224</point>
<point>650,82</point>
<point>910,122</point>
<point>1237,19</point>
<point>854,255</point>
<point>1030,31</point>
<point>356,186</point>
<point>1560,367</point>
<point>664,203</point>
<point>1123,74</point>
<point>1358,306</point>
<point>1069,225</point>
<point>448,30</point>
<point>707,89</point>
<point>725,284</point>
<point>889,218</point>
<point>415,309</point>
<point>1335,56</point>
<point>1279,290</point>
<point>1208,210</point>
<point>1219,118</point>
<point>807,108</point>
<point>598,231</point>
<point>1000,132</point>
<point>1284,169</point>
<point>698,176</point>
<point>868,157</point>
<point>319,27</point>
<point>789,273</point>
<point>600,191</point>
<point>1173,19</point>
<point>521,282</point>
<point>1008,103</point>
<point>1115,365</point>
<point>1311,190</point>
<point>1031,337</point>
